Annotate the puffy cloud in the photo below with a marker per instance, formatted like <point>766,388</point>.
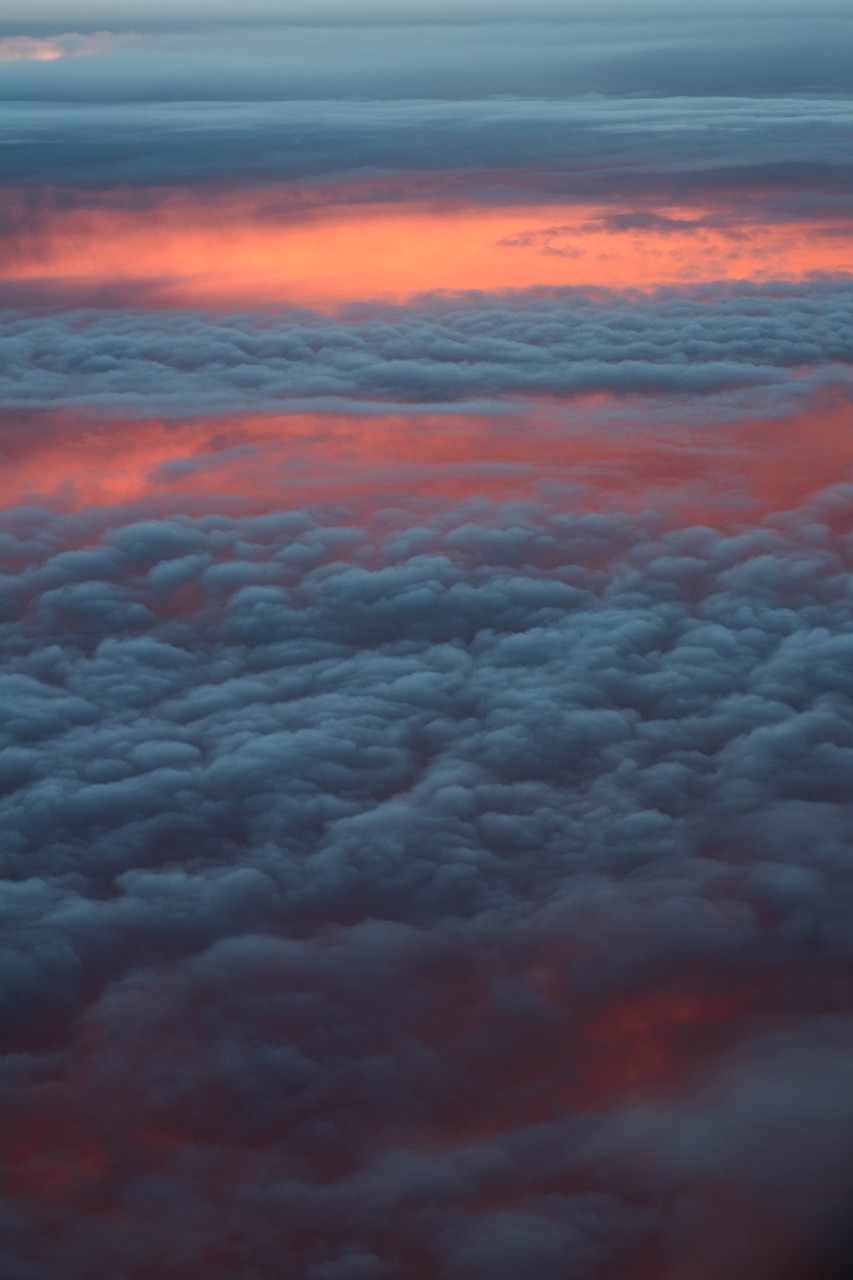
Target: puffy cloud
<point>441,895</point>
<point>563,342</point>
<point>410,892</point>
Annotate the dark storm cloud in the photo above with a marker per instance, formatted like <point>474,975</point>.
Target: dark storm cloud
<point>587,148</point>
<point>564,343</point>
<point>368,888</point>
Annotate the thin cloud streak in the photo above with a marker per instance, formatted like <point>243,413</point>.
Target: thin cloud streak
<point>51,48</point>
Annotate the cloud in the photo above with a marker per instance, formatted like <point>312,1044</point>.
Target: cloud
<point>346,12</point>
<point>399,887</point>
<point>468,889</point>
<point>425,56</point>
<point>562,343</point>
<point>578,148</point>
<point>51,48</point>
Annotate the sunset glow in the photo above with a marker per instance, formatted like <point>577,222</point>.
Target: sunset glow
<point>426,641</point>
<point>255,463</point>
<point>52,48</point>
<point>230,252</point>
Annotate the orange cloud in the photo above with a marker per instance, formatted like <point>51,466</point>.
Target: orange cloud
<point>720,474</point>
<point>236,250</point>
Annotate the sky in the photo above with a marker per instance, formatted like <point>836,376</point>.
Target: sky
<point>426,521</point>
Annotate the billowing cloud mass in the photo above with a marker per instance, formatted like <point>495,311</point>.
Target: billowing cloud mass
<point>424,899</point>
<point>561,343</point>
<point>427,644</point>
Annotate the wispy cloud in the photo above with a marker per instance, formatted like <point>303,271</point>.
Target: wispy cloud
<point>49,48</point>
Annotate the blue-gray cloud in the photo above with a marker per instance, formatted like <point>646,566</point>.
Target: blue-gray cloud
<point>456,55</point>
<point>588,148</point>
<point>472,347</point>
<point>334,852</point>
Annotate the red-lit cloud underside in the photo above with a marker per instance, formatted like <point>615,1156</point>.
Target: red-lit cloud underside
<point>185,249</point>
<point>732,471</point>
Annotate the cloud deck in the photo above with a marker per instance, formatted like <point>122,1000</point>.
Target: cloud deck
<point>426,627</point>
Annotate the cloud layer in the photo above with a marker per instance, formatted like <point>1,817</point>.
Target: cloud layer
<point>426,633</point>
<point>563,343</point>
<point>403,53</point>
<point>467,896</point>
<point>593,148</point>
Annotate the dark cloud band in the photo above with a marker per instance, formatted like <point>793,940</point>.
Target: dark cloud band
<point>584,148</point>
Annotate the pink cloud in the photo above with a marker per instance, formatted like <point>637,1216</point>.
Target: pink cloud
<point>49,48</point>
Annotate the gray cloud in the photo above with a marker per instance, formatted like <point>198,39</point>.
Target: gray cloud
<point>584,147</point>
<point>162,15</point>
<point>562,343</point>
<point>459,57</point>
<point>430,893</point>
<point>369,888</point>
